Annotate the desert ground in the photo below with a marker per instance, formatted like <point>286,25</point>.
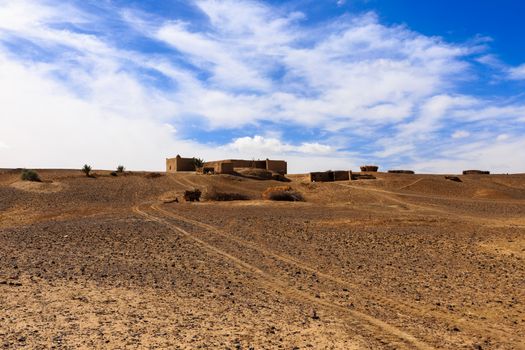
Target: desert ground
<point>400,262</point>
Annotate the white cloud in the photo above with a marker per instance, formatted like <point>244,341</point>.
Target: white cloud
<point>459,134</point>
<point>517,73</point>
<point>261,147</point>
<point>484,154</point>
<point>357,70</point>
<point>502,137</point>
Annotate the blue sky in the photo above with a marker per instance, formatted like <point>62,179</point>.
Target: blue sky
<point>434,86</point>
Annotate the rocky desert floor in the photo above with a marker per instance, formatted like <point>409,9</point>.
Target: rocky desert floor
<point>400,262</point>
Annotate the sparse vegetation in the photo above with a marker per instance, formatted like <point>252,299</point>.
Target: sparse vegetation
<point>282,193</point>
<point>192,195</point>
<point>86,169</point>
<point>30,175</point>
<point>120,169</point>
<point>198,162</point>
<point>214,195</point>
<point>113,173</point>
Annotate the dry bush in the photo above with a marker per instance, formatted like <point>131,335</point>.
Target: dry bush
<point>214,195</point>
<point>30,175</point>
<point>282,193</point>
<point>192,195</point>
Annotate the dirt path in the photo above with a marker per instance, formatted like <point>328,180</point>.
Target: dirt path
<point>391,196</point>
<point>373,326</point>
<point>419,311</point>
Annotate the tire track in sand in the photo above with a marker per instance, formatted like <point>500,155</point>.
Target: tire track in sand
<point>396,305</point>
<point>378,328</point>
<point>390,195</point>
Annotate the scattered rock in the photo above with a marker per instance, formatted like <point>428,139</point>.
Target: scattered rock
<point>315,316</point>
<point>453,178</point>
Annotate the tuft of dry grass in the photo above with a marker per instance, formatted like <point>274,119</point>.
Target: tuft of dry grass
<point>282,193</point>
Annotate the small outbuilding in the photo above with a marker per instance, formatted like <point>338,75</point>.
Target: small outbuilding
<point>401,171</point>
<point>476,172</point>
<point>178,163</point>
<point>369,168</point>
<point>330,176</point>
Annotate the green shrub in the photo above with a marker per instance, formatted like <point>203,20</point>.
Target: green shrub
<point>120,169</point>
<point>86,169</point>
<point>30,175</point>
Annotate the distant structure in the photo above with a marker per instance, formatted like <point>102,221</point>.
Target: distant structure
<point>401,171</point>
<point>178,163</point>
<point>476,172</point>
<point>330,176</point>
<point>226,166</point>
<point>338,175</point>
<point>369,168</point>
<point>453,178</point>
<point>361,176</point>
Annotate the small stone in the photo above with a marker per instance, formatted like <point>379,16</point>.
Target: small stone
<point>315,316</point>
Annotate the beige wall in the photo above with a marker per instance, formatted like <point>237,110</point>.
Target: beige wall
<point>179,164</point>
<point>341,175</point>
<point>279,166</point>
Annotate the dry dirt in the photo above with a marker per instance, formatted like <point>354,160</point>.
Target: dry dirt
<point>400,262</point>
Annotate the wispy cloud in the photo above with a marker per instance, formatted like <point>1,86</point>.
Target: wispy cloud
<point>517,73</point>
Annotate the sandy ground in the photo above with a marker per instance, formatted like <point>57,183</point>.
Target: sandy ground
<point>400,262</point>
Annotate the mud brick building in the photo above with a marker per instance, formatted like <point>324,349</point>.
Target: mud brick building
<point>330,176</point>
<point>226,166</point>
<point>178,163</point>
